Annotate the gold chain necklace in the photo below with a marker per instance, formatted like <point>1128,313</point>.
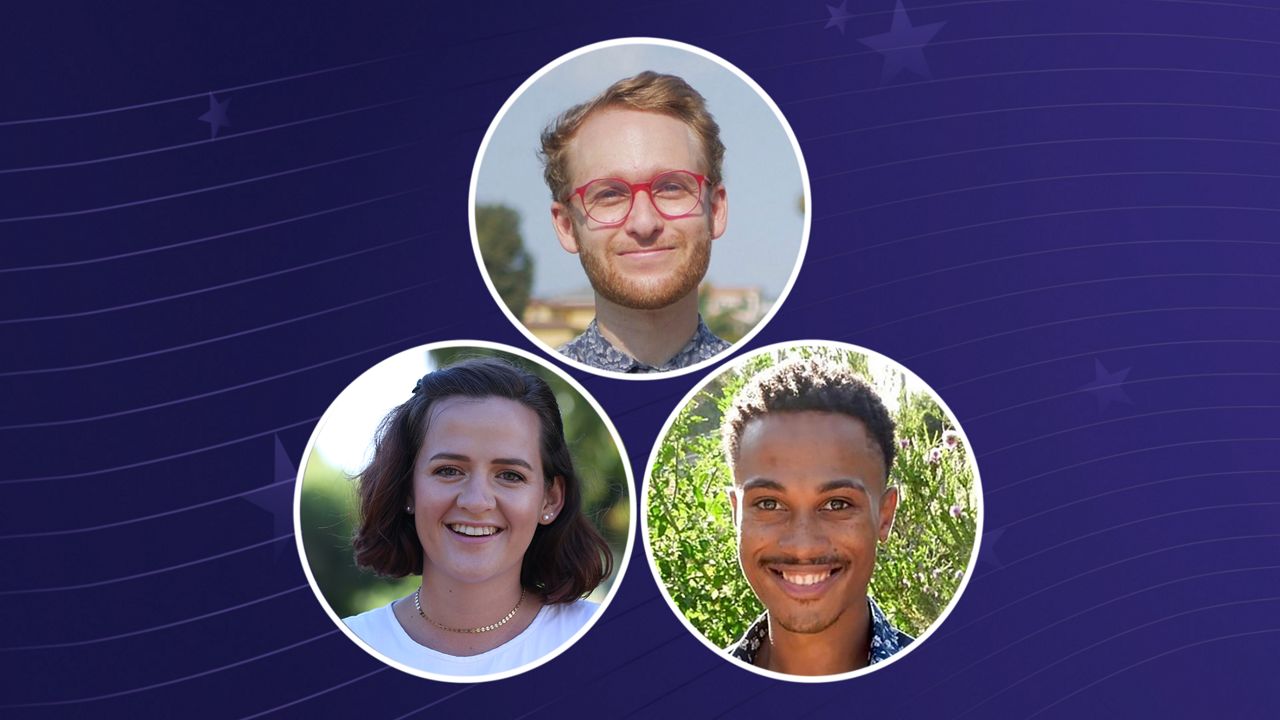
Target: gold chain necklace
<point>417,603</point>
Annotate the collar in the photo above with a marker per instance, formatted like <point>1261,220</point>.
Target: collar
<point>886,640</point>
<point>591,348</point>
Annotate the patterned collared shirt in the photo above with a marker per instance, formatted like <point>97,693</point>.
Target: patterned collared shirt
<point>591,348</point>
<point>886,640</point>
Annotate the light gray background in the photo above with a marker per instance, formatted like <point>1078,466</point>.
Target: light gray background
<point>762,175</point>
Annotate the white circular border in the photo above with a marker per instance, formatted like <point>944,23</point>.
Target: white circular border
<point>619,572</point>
<point>735,365</point>
<point>782,121</point>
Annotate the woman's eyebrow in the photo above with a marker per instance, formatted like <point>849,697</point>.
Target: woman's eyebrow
<point>512,461</point>
<point>496,461</point>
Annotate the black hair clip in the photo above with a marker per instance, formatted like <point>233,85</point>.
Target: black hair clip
<point>417,386</point>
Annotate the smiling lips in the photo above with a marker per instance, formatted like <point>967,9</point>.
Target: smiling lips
<point>645,252</point>
<point>808,582</point>
<point>474,530</point>
<point>805,578</point>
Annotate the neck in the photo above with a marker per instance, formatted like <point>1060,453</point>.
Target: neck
<point>840,648</point>
<point>651,336</point>
<point>468,605</point>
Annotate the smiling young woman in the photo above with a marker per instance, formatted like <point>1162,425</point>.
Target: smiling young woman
<point>472,486</point>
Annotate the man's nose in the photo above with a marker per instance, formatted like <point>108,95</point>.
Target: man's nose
<point>803,536</point>
<point>475,495</point>
<point>644,223</point>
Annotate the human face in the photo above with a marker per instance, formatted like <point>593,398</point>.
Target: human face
<point>810,502</point>
<point>479,490</point>
<point>646,262</point>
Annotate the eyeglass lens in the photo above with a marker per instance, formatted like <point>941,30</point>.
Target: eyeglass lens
<point>673,194</point>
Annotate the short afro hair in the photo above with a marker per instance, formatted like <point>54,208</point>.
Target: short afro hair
<point>812,384</point>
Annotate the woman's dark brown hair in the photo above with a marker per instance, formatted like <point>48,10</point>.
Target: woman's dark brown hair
<point>566,559</point>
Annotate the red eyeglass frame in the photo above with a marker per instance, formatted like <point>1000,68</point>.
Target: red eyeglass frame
<point>581,192</point>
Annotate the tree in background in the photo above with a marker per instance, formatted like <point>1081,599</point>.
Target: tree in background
<point>920,568</point>
<point>509,265</point>
<point>329,508</point>
<point>691,533</point>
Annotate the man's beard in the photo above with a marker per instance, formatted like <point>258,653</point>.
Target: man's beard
<point>806,622</point>
<point>806,618</point>
<point>646,293</point>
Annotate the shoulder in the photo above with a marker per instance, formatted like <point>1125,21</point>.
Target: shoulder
<point>373,625</point>
<point>713,340</point>
<point>587,342</point>
<point>570,616</point>
<point>575,347</point>
<point>903,638</point>
<point>704,344</point>
<point>718,345</point>
<point>748,645</point>
<point>591,348</point>
<point>886,639</point>
<point>553,627</point>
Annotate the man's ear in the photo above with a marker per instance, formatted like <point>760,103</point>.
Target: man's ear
<point>888,506</point>
<point>719,211</point>
<point>552,501</point>
<point>562,221</point>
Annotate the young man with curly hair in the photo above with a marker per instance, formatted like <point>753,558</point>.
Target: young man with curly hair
<point>811,445</point>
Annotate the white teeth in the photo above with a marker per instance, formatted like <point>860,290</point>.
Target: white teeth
<point>806,578</point>
<point>473,530</point>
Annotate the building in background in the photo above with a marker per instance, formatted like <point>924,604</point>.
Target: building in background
<point>559,319</point>
<point>729,311</point>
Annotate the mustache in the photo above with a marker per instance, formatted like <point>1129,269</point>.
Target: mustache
<point>833,559</point>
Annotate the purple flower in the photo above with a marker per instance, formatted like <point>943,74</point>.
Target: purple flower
<point>904,443</point>
<point>950,439</point>
<point>935,454</point>
<point>956,511</point>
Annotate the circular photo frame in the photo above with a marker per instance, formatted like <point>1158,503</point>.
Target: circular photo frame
<point>616,291</point>
<point>444,461</point>
<point>805,494</point>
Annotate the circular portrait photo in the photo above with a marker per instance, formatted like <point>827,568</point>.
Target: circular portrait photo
<point>811,511</point>
<point>639,207</point>
<point>463,511</point>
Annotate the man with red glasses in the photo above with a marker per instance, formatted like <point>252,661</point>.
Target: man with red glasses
<point>635,178</point>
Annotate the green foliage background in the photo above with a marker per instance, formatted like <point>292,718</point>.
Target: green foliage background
<point>509,264</point>
<point>691,533</point>
<point>329,509</point>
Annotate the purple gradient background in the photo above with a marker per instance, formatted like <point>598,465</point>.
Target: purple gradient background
<point>1085,193</point>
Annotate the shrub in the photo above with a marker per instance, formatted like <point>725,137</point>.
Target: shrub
<point>691,533</point>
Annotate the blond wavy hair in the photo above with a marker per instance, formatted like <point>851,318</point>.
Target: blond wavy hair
<point>649,92</point>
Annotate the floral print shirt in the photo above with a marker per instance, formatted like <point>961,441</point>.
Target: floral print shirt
<point>886,640</point>
<point>591,348</point>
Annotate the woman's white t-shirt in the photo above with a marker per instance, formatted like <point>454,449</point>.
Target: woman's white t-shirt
<point>554,624</point>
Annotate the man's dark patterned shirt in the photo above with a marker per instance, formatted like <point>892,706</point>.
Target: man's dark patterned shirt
<point>591,348</point>
<point>886,640</point>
